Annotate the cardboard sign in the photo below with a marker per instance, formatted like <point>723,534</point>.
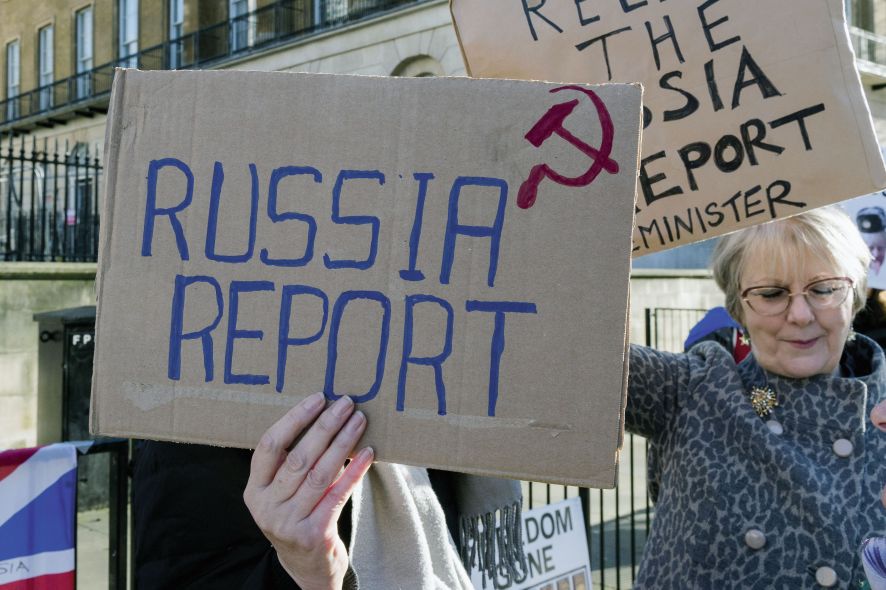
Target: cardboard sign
<point>556,551</point>
<point>753,109</point>
<point>400,241</point>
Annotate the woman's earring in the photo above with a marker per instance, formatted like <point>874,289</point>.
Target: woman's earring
<point>851,336</point>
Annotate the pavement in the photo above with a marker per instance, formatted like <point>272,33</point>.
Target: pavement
<point>92,549</point>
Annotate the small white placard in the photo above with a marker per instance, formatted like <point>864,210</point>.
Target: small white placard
<point>556,548</point>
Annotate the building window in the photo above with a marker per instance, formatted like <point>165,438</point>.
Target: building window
<point>13,79</point>
<point>332,10</point>
<point>45,66</point>
<point>128,33</point>
<point>860,13</point>
<point>176,29</point>
<point>242,28</point>
<point>83,52</point>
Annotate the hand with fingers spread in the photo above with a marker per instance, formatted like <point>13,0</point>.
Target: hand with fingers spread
<point>296,496</point>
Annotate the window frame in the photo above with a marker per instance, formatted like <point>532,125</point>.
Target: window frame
<point>127,32</point>
<point>84,37</point>
<point>46,64</point>
<point>176,12</point>
<point>13,73</point>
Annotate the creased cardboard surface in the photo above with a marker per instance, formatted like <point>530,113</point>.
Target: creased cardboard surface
<point>335,222</point>
<point>753,109</point>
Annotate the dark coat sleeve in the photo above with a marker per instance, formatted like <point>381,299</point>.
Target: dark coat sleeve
<point>656,382</point>
<point>191,527</point>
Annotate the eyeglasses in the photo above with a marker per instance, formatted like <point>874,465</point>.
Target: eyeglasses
<point>820,294</point>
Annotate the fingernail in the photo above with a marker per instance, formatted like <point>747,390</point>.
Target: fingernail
<point>356,421</point>
<point>342,406</point>
<point>366,454</point>
<point>315,400</point>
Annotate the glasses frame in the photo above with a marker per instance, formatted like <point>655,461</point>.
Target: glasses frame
<point>804,292</point>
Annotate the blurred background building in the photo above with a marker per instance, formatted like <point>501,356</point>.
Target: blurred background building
<point>60,55</point>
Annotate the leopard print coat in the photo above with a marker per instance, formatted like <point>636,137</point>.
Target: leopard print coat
<point>729,480</point>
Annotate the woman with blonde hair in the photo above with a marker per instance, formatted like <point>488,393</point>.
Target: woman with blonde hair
<point>772,470</point>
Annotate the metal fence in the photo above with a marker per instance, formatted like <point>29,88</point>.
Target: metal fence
<point>49,201</point>
<point>668,327</point>
<point>617,521</point>
<point>76,89</point>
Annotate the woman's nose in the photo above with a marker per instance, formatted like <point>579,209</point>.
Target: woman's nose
<point>799,310</point>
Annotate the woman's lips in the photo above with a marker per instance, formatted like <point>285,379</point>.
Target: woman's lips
<point>803,344</point>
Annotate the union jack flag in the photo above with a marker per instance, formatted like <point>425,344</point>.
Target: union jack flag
<point>37,512</point>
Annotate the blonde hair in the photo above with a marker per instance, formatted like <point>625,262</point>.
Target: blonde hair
<point>826,233</point>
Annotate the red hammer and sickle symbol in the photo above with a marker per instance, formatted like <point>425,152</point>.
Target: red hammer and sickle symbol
<point>551,123</point>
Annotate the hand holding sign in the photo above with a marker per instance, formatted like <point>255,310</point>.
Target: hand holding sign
<point>296,497</point>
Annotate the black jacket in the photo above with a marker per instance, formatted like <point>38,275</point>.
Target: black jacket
<point>193,530</point>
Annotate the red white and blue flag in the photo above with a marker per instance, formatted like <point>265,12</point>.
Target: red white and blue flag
<point>37,512</point>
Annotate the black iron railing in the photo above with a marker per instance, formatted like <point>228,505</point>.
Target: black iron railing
<point>49,201</point>
<point>668,327</point>
<point>616,521</point>
<point>79,89</point>
<point>282,22</point>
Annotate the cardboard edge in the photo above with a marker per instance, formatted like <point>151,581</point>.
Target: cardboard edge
<point>113,132</point>
<point>596,483</point>
<point>399,80</point>
<point>625,376</point>
<point>852,85</point>
<point>461,46</point>
<point>625,372</point>
<point>626,358</point>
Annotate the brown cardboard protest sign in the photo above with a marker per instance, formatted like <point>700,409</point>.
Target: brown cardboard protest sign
<point>453,253</point>
<point>752,109</point>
